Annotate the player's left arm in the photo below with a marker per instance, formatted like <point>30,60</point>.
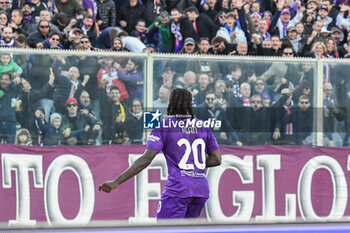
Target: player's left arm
<point>213,158</point>
<point>140,164</point>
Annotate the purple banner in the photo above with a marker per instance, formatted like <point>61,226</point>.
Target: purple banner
<point>58,185</point>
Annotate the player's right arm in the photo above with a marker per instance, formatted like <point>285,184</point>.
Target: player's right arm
<point>140,164</point>
<point>213,158</point>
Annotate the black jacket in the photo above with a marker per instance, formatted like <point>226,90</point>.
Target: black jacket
<point>107,13</point>
<point>186,30</point>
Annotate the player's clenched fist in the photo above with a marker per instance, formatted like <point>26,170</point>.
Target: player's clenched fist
<point>106,187</point>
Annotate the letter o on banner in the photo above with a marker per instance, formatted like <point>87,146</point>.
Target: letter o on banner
<point>86,187</point>
<point>340,188</point>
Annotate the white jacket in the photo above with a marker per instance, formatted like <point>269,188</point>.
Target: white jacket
<point>240,36</point>
<point>297,18</point>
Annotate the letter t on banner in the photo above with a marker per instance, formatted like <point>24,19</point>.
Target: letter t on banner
<point>21,164</point>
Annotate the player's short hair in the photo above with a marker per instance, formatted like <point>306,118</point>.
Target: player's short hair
<point>180,102</point>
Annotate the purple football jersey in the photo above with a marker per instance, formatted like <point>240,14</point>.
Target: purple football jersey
<point>185,148</point>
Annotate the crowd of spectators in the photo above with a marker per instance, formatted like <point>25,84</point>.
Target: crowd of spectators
<point>56,99</point>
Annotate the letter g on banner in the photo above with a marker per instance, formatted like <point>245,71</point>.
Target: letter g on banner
<point>86,187</point>
<point>244,200</point>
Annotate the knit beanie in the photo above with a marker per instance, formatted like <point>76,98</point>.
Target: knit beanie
<point>54,116</point>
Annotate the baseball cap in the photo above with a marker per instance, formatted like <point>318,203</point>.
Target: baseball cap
<point>323,7</point>
<point>309,1</point>
<point>285,11</point>
<point>292,28</point>
<point>336,29</point>
<point>77,30</point>
<point>324,30</point>
<point>71,100</point>
<point>189,40</point>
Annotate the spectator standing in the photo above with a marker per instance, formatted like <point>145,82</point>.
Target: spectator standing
<point>202,24</point>
<point>72,8</point>
<point>132,77</point>
<point>161,27</point>
<point>201,88</point>
<point>108,75</point>
<point>8,92</point>
<point>129,15</point>
<point>67,86</point>
<point>285,20</point>
<point>302,119</point>
<point>163,99</point>
<point>37,6</point>
<point>113,116</point>
<point>134,122</point>
<point>210,109</point>
<point>181,28</point>
<point>255,122</point>
<point>331,113</point>
<point>106,14</point>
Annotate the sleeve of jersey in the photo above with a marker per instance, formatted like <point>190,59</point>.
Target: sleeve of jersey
<point>212,144</point>
<point>155,140</point>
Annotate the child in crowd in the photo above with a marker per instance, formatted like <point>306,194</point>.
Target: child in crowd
<point>53,131</point>
<point>9,66</point>
<point>23,138</point>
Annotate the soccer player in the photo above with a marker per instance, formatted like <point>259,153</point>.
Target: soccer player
<point>188,152</point>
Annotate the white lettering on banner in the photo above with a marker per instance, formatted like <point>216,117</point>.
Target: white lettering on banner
<point>268,164</point>
<point>21,164</point>
<point>145,191</point>
<point>244,200</point>
<point>86,187</point>
<point>340,188</point>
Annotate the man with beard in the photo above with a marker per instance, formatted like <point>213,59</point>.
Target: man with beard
<point>27,13</point>
<point>117,44</point>
<point>133,78</point>
<point>180,29</point>
<point>7,40</point>
<point>88,27</point>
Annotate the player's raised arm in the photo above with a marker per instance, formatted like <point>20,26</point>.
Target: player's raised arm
<point>214,158</point>
<point>140,164</point>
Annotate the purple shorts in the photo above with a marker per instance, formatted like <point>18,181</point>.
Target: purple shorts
<point>174,207</point>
